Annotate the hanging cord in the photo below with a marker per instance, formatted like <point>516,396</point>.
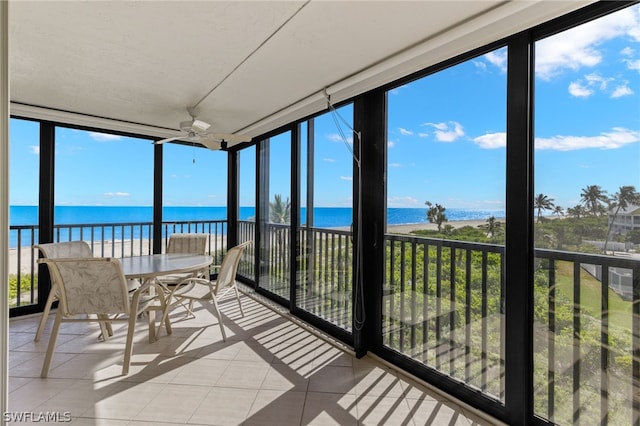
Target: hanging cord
<point>359,315</point>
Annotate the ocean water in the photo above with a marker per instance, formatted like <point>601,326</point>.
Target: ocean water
<point>323,217</point>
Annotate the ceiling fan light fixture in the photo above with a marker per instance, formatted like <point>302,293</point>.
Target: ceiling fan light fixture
<point>199,126</point>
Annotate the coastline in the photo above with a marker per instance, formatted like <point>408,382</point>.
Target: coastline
<point>28,256</point>
<point>118,249</point>
<point>409,227</point>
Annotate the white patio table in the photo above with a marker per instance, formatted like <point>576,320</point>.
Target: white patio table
<point>152,266</point>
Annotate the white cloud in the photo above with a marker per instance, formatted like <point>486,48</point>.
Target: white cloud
<point>35,149</point>
<point>627,51</point>
<point>116,194</point>
<point>586,87</point>
<point>595,79</point>
<point>423,135</point>
<point>104,137</point>
<point>348,178</point>
<point>481,65</point>
<point>633,64</point>
<point>391,144</point>
<point>395,165</point>
<point>397,89</point>
<point>403,202</point>
<point>491,140</point>
<point>577,47</point>
<point>621,91</point>
<point>578,90</point>
<point>405,132</point>
<point>335,137</point>
<point>447,132</point>
<point>498,58</point>
<point>329,160</point>
<point>439,126</point>
<point>616,138</point>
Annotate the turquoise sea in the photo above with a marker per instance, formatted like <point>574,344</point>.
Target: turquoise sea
<point>324,217</point>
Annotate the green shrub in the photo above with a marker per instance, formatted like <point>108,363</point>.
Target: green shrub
<point>25,287</point>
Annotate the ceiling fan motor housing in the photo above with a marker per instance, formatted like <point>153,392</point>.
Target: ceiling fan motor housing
<point>185,126</point>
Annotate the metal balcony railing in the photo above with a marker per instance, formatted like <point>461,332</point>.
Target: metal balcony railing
<point>105,239</point>
<point>443,306</point>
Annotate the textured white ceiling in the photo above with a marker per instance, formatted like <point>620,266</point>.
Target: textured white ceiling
<point>250,66</point>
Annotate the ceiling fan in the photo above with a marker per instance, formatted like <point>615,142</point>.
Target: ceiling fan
<point>198,131</point>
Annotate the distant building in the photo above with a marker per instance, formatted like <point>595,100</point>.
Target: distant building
<point>627,219</point>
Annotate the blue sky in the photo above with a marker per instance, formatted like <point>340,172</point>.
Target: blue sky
<point>446,138</point>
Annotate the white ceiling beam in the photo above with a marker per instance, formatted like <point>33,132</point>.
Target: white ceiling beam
<point>72,118</point>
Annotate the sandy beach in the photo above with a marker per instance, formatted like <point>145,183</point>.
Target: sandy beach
<point>138,247</point>
<point>29,256</point>
<point>408,228</point>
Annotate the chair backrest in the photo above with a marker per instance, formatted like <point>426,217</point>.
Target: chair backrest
<point>89,285</point>
<point>229,267</point>
<point>187,243</point>
<point>75,249</point>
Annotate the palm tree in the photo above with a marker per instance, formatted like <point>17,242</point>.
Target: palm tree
<point>280,211</point>
<point>492,227</point>
<point>436,214</point>
<point>625,196</point>
<point>557,210</point>
<point>542,202</point>
<point>578,211</point>
<point>594,198</point>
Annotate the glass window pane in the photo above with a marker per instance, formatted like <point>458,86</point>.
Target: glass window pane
<point>24,160</point>
<point>194,193</point>
<point>326,272</point>
<point>247,214</point>
<point>442,294</point>
<point>587,217</point>
<point>275,225</point>
<point>103,191</point>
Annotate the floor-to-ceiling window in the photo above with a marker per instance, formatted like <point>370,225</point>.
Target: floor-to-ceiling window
<point>446,163</point>
<point>587,221</point>
<point>326,273</point>
<point>23,211</point>
<point>275,220</point>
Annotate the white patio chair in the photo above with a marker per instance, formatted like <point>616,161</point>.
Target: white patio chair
<point>63,250</point>
<point>203,290</point>
<point>73,249</point>
<point>189,243</point>
<point>97,286</point>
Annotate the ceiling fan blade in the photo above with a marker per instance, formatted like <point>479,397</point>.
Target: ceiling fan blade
<point>175,138</point>
<point>211,144</point>
<point>231,137</point>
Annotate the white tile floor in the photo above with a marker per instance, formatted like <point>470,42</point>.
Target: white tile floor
<point>270,371</point>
